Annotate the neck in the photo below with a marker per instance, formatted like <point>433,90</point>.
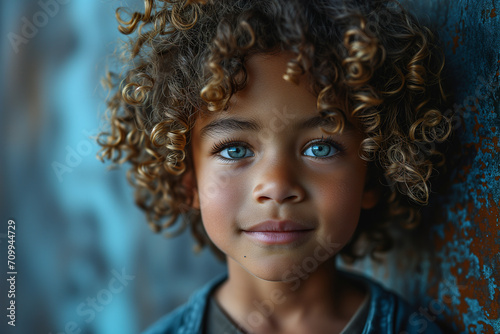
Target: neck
<point>260,306</point>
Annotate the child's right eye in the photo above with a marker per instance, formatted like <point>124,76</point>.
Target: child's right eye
<point>236,152</point>
<point>230,150</point>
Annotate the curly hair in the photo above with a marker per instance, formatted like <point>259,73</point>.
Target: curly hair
<point>367,58</point>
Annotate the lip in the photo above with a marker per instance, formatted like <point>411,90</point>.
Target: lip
<point>278,232</point>
<point>277,226</point>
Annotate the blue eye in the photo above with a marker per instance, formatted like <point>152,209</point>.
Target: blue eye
<point>236,152</point>
<point>321,150</point>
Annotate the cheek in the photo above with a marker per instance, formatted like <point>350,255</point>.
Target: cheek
<point>339,202</point>
<point>221,194</point>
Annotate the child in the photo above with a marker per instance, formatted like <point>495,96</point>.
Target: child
<point>288,132</point>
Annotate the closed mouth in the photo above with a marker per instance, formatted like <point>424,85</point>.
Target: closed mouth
<point>278,232</point>
<point>278,226</point>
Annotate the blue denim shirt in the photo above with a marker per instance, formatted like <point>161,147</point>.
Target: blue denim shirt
<point>388,313</point>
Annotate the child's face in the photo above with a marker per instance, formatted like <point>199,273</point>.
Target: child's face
<point>271,185</point>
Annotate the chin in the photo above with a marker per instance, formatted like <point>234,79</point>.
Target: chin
<point>279,269</point>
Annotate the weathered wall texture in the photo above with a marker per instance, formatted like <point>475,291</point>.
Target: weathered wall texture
<point>464,280</point>
<point>449,268</point>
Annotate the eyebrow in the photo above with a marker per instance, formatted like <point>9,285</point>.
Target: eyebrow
<point>225,125</point>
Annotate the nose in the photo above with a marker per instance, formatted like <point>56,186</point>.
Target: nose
<point>278,181</point>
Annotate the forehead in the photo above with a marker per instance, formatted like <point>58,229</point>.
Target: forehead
<point>267,95</point>
<point>266,86</point>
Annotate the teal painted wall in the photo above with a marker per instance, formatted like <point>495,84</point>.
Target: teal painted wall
<point>450,266</point>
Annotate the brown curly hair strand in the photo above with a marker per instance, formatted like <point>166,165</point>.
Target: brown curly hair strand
<point>188,57</point>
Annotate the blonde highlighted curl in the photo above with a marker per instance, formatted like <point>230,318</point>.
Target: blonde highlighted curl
<point>366,59</point>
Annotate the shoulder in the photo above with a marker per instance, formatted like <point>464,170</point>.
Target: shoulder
<point>390,313</point>
<point>171,322</point>
<point>187,318</point>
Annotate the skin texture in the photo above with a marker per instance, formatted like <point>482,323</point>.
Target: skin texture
<point>277,177</point>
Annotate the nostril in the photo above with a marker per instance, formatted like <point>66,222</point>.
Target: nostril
<point>290,198</point>
<point>281,198</point>
<point>262,199</point>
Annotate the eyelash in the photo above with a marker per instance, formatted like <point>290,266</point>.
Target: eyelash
<point>326,140</point>
<point>226,143</point>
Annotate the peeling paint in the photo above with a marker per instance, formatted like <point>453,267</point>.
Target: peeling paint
<point>467,232</point>
<point>496,325</point>
<point>488,274</point>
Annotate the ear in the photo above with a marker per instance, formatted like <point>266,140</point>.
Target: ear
<point>189,183</point>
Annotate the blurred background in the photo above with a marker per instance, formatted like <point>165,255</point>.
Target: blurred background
<point>87,262</point>
<point>76,223</point>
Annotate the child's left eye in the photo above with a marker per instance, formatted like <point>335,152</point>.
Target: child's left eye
<point>321,149</point>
